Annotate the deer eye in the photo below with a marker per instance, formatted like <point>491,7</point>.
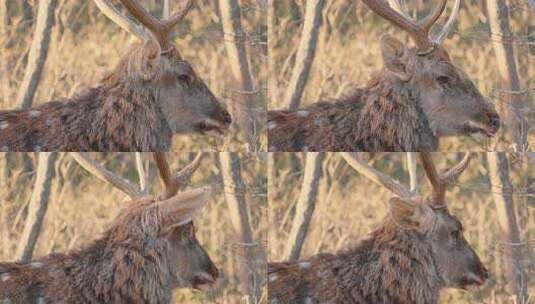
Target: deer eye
<point>455,236</point>
<point>443,80</point>
<point>184,79</point>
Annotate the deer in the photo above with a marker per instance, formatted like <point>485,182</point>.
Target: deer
<point>417,98</point>
<point>417,250</point>
<point>152,94</point>
<point>149,249</point>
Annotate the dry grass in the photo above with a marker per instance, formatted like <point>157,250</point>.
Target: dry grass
<point>85,46</point>
<point>81,207</point>
<point>350,206</point>
<point>348,52</point>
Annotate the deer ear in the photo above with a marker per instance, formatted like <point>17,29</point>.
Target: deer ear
<point>152,52</point>
<point>148,61</point>
<point>410,215</point>
<point>183,207</point>
<point>394,55</point>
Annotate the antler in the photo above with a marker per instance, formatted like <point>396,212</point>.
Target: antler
<point>376,176</point>
<point>160,29</point>
<point>440,182</point>
<point>419,31</point>
<point>439,38</point>
<point>102,173</point>
<point>171,182</point>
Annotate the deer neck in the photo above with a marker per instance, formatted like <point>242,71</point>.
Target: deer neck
<point>392,117</point>
<point>396,266</point>
<point>131,117</point>
<point>113,274</point>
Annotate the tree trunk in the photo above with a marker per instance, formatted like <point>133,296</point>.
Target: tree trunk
<point>502,191</point>
<point>305,206</point>
<point>511,106</point>
<point>246,96</point>
<point>38,206</point>
<point>305,53</point>
<point>272,76</point>
<point>38,53</point>
<point>4,41</point>
<point>235,190</point>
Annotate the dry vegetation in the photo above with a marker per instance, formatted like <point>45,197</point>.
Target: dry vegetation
<point>85,45</point>
<point>81,207</point>
<point>348,52</point>
<point>349,206</point>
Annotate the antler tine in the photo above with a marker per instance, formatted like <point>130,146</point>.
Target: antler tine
<point>124,22</point>
<point>383,10</point>
<point>376,176</point>
<point>439,189</point>
<point>179,15</point>
<point>399,6</point>
<point>143,16</point>
<point>171,182</point>
<point>160,29</point>
<point>439,38</point>
<point>103,174</point>
<point>454,172</point>
<point>419,32</point>
<point>440,182</point>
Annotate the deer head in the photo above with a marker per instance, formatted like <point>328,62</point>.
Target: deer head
<point>163,225</point>
<point>156,66</point>
<point>457,264</point>
<point>449,98</point>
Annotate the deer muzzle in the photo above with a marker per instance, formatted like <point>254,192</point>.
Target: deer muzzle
<point>205,280</point>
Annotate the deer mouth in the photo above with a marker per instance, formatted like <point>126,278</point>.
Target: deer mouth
<point>472,127</point>
<point>212,127</point>
<point>203,281</point>
<point>472,280</point>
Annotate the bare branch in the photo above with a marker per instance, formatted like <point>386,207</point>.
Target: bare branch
<point>305,206</point>
<point>305,53</point>
<point>38,53</point>
<point>502,190</point>
<point>38,206</point>
<point>239,216</point>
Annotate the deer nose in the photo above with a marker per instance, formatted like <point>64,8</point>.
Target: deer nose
<point>227,119</point>
<point>485,273</point>
<point>214,272</point>
<point>494,120</point>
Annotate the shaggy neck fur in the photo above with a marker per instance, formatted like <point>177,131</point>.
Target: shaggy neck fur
<point>113,269</point>
<point>390,266</point>
<point>384,116</point>
<point>119,114</point>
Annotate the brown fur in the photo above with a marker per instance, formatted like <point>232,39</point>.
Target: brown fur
<point>408,106</point>
<point>132,262</point>
<point>137,107</point>
<point>391,265</point>
<point>384,116</point>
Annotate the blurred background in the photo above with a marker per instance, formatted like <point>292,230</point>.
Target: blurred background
<point>85,45</point>
<point>348,206</point>
<point>79,206</point>
<point>348,52</point>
